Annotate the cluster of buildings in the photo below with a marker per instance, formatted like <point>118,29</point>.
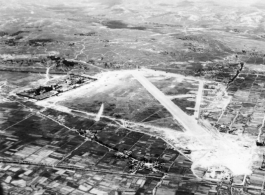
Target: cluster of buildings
<point>218,173</point>
<point>66,84</point>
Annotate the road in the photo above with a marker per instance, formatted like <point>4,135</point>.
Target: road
<point>188,122</point>
<point>198,100</point>
<point>181,96</point>
<point>51,166</point>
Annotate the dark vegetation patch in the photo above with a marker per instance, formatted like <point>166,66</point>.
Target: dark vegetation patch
<point>16,176</point>
<point>2,33</point>
<point>11,42</point>
<point>1,190</point>
<point>66,65</point>
<point>38,42</point>
<point>23,129</point>
<point>118,10</point>
<point>225,73</point>
<point>213,47</point>
<point>185,69</point>
<point>138,28</point>
<point>86,34</point>
<point>18,33</point>
<point>152,118</point>
<point>15,115</point>
<point>248,105</point>
<point>18,37</point>
<point>65,9</point>
<point>184,104</point>
<point>147,114</point>
<point>189,37</point>
<point>60,65</point>
<point>116,24</point>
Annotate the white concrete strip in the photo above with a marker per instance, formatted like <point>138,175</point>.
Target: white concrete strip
<point>198,100</point>
<point>188,122</point>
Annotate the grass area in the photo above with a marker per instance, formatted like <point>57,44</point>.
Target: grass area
<point>123,98</point>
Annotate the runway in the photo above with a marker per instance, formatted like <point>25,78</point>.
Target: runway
<point>188,122</point>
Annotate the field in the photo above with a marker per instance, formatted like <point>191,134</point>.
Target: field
<point>182,91</point>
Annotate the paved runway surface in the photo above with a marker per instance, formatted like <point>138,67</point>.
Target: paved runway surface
<point>188,122</point>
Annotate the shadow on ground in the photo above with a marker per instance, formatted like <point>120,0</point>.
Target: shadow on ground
<point>1,190</point>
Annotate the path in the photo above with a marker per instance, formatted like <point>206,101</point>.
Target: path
<point>23,162</point>
<point>181,96</point>
<point>198,100</point>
